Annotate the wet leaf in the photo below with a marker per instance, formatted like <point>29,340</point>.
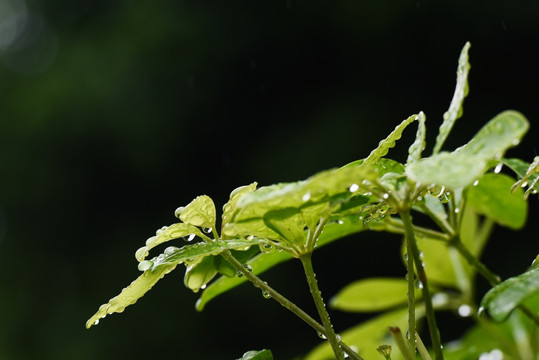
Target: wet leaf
<point>257,355</point>
<point>529,176</point>
<point>389,141</point>
<point>167,233</point>
<point>415,150</point>
<point>367,336</point>
<point>373,294</point>
<point>161,265</point>
<point>200,212</point>
<point>492,197</point>
<point>455,108</point>
<point>264,261</point>
<point>502,299</point>
<point>472,344</point>
<point>200,273</point>
<point>504,131</point>
<point>288,223</point>
<point>452,170</point>
<point>235,195</point>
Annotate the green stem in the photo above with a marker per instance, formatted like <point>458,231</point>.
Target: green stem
<point>394,225</point>
<point>259,283</point>
<point>431,319</point>
<point>320,306</point>
<point>411,296</point>
<point>401,344</point>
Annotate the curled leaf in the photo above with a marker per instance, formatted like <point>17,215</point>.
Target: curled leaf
<point>200,212</point>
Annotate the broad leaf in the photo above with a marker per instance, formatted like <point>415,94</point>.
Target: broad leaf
<point>200,273</point>
<point>158,267</point>
<point>474,343</point>
<point>491,196</point>
<point>502,299</point>
<point>455,109</point>
<point>264,261</point>
<point>200,212</point>
<point>415,150</point>
<point>257,355</point>
<point>167,233</point>
<point>373,294</point>
<point>367,336</point>
<point>452,170</point>
<point>389,142</point>
<point>504,131</point>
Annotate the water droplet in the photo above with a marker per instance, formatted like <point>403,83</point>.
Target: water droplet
<point>320,335</point>
<point>420,198</point>
<point>481,311</point>
<point>160,231</point>
<point>340,222</point>
<point>524,184</point>
<point>476,182</point>
<point>150,241</point>
<point>385,196</point>
<point>457,210</point>
<point>96,322</point>
<point>170,250</point>
<point>515,142</point>
<point>498,168</point>
<point>208,230</point>
<point>145,265</point>
<point>190,237</point>
<point>248,267</point>
<point>405,256</point>
<point>307,196</point>
<point>179,211</point>
<point>353,188</point>
<point>239,274</point>
<point>203,286</point>
<point>141,253</point>
<point>266,294</point>
<point>266,247</point>
<point>418,284</point>
<point>465,310</point>
<point>496,354</point>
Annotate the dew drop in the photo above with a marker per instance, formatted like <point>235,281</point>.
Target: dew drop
<point>96,322</point>
<point>203,286</point>
<point>208,230</point>
<point>145,265</point>
<point>150,241</point>
<point>320,335</point>
<point>179,211</point>
<point>265,247</point>
<point>515,142</point>
<point>141,253</point>
<point>465,310</point>
<point>524,184</point>
<point>385,196</point>
<point>340,222</point>
<point>307,196</point>
<point>457,210</point>
<point>496,354</point>
<point>190,237</point>
<point>266,294</point>
<point>170,250</point>
<point>476,182</point>
<point>498,168</point>
<point>239,274</point>
<point>160,231</point>
<point>353,188</point>
<point>481,311</point>
<point>248,267</point>
<point>405,256</point>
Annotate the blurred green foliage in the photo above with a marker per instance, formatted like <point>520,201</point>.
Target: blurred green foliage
<point>109,111</point>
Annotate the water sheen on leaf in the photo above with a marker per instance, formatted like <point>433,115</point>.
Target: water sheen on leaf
<point>415,150</point>
<point>200,212</point>
<point>492,197</point>
<point>455,108</point>
<point>257,355</point>
<point>235,195</point>
<point>165,234</point>
<point>502,299</point>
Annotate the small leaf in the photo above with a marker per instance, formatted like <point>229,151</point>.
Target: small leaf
<point>455,109</point>
<point>262,262</point>
<point>452,170</point>
<point>492,197</point>
<point>235,195</point>
<point>530,178</point>
<point>257,355</point>
<point>419,144</point>
<point>166,233</point>
<point>130,294</point>
<point>502,299</point>
<point>199,274</point>
<point>372,294</point>
<point>504,131</point>
<point>474,343</point>
<point>200,212</point>
<point>388,142</point>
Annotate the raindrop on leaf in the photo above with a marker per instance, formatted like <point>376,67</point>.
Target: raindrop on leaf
<point>145,265</point>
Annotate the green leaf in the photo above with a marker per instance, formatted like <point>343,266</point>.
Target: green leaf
<point>200,273</point>
<point>530,179</point>
<point>471,345</point>
<point>167,233</point>
<point>452,170</point>
<point>455,109</point>
<point>366,337</point>
<point>200,212</point>
<point>288,223</point>
<point>264,261</point>
<point>415,150</point>
<point>504,131</point>
<point>491,196</point>
<point>372,294</point>
<point>388,142</point>
<point>502,299</point>
<point>130,294</point>
<point>257,355</point>
<point>161,265</point>
<point>235,195</point>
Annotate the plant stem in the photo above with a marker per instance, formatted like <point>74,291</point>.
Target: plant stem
<point>433,328</point>
<point>259,283</point>
<point>320,306</point>
<point>411,296</point>
<point>401,344</point>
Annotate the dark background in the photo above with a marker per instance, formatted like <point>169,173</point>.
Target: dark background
<point>114,113</point>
